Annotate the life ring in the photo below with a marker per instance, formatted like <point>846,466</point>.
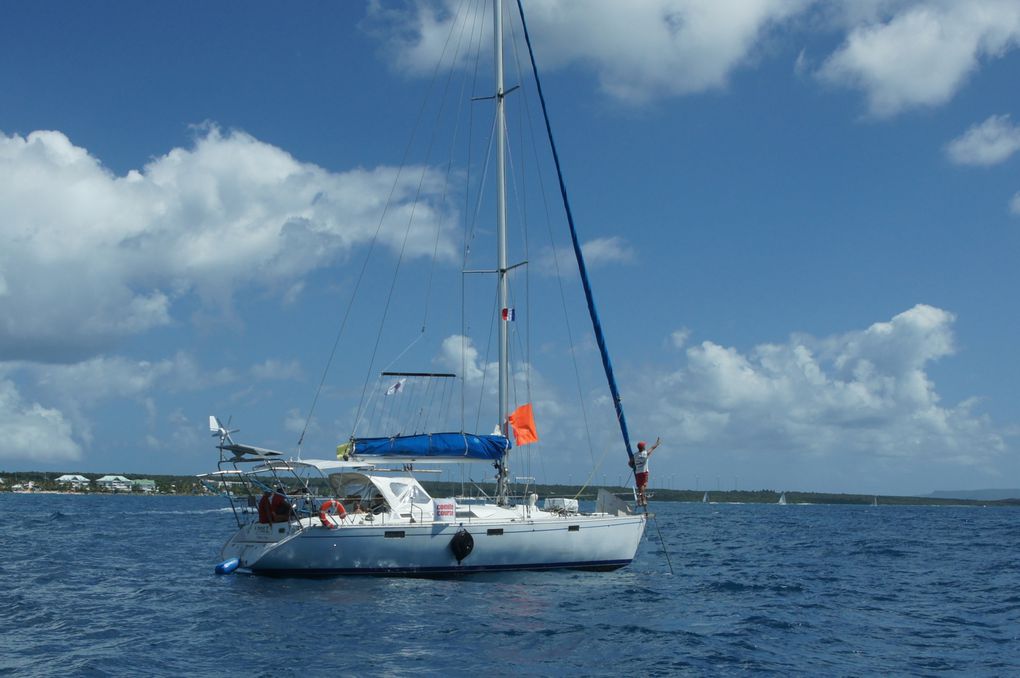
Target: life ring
<point>341,512</point>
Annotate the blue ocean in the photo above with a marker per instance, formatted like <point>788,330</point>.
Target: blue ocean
<point>124,585</point>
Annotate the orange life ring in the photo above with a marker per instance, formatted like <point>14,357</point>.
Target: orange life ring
<point>324,512</point>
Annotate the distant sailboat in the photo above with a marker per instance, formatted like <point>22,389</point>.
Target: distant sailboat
<point>874,501</point>
<point>704,499</point>
<point>782,499</point>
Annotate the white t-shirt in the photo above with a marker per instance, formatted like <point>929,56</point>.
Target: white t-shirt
<point>640,461</point>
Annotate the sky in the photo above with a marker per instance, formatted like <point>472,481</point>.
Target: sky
<point>801,220</point>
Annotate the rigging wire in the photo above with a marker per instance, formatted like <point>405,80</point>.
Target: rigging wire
<point>589,297</point>
<point>556,261</point>
<point>467,226</point>
<point>449,171</point>
<point>662,542</point>
<point>467,252</point>
<point>364,266</point>
<point>594,317</point>
<point>526,107</point>
<point>592,473</point>
<point>519,192</point>
<point>450,391</point>
<point>485,363</point>
<point>403,246</point>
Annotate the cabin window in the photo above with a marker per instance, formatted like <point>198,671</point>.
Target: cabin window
<point>419,496</point>
<point>494,531</point>
<point>574,528</point>
<point>394,534</point>
<point>355,488</point>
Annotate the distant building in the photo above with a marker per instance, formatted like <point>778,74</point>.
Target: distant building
<point>143,485</point>
<point>75,482</point>
<point>114,483</point>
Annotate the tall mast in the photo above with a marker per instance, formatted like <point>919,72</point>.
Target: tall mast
<point>501,247</point>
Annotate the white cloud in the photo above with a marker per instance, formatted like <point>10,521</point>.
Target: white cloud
<point>75,390</point>
<point>186,437</point>
<point>900,53</point>
<point>640,50</point>
<point>612,250</point>
<point>459,355</point>
<point>90,257</point>
<point>106,377</point>
<point>922,55</point>
<point>989,143</point>
<point>32,431</point>
<point>294,421</point>
<point>679,338</point>
<point>1014,204</point>
<point>859,399</point>
<point>100,378</point>
<point>598,252</point>
<point>668,47</point>
<point>275,370</point>
<point>802,64</point>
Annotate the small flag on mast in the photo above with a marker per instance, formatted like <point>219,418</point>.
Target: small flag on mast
<point>509,314</point>
<point>396,388</point>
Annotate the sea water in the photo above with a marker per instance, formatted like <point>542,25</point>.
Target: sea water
<point>124,585</point>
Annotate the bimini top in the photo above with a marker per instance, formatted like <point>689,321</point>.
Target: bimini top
<point>324,466</point>
<point>433,447</point>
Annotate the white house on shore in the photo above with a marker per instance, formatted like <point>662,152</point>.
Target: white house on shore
<point>75,482</point>
<point>114,483</point>
<point>143,485</point>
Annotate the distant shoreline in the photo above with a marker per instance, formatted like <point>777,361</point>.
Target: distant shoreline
<point>189,485</point>
<point>98,493</point>
<point>441,489</point>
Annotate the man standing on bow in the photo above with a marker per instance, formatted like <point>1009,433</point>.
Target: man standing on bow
<point>640,464</point>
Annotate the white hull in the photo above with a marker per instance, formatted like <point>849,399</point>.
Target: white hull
<point>544,540</point>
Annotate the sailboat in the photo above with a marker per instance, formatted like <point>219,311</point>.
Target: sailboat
<point>365,511</point>
<point>704,499</point>
<point>782,499</point>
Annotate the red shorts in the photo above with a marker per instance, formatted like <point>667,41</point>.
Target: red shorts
<point>642,479</point>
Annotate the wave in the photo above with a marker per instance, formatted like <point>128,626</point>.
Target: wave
<point>191,512</point>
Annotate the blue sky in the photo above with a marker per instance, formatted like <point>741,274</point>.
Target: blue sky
<point>802,220</point>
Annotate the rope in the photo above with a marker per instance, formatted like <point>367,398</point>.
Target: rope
<point>407,231</point>
<point>596,325</point>
<point>589,297</point>
<point>665,551</point>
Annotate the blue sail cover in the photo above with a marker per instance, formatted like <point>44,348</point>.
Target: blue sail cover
<point>435,446</point>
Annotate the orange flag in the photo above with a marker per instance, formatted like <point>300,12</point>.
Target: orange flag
<point>522,421</point>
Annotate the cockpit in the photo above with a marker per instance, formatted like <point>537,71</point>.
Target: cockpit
<point>361,493</point>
